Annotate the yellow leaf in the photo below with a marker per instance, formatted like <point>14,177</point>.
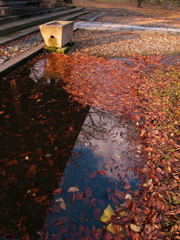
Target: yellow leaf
<point>122,214</point>
<point>110,228</point>
<point>108,212</point>
<point>135,228</point>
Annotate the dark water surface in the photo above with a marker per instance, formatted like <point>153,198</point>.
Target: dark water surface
<point>60,162</point>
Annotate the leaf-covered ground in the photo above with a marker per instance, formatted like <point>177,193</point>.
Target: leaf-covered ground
<point>146,91</point>
<point>127,13</point>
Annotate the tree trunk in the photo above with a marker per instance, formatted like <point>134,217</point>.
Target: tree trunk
<point>139,3</point>
<point>170,5</point>
<point>164,3</point>
<point>158,2</point>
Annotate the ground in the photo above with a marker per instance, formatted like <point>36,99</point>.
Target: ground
<point>134,75</point>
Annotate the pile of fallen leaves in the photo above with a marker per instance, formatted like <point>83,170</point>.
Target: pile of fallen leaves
<point>147,92</point>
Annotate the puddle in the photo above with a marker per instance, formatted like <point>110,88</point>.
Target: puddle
<point>60,162</point>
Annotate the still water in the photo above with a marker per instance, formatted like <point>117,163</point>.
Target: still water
<point>60,162</point>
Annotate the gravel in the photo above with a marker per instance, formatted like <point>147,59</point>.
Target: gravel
<point>108,43</point>
<point>14,48</point>
<point>112,44</point>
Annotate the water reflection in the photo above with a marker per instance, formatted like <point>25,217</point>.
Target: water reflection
<point>59,162</point>
<point>36,123</point>
<point>102,160</point>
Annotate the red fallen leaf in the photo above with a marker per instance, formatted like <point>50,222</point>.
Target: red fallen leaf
<point>7,116</point>
<point>128,203</point>
<point>64,219</point>
<point>119,194</point>
<point>86,200</point>
<point>161,235</point>
<point>73,198</point>
<point>11,162</point>
<point>88,191</point>
<point>136,236</point>
<point>108,236</point>
<point>82,215</point>
<point>127,186</point>
<point>1,112</point>
<point>115,201</point>
<point>39,151</point>
<point>49,210</point>
<point>63,229</point>
<point>81,228</point>
<point>25,154</point>
<point>73,226</point>
<point>58,223</point>
<point>149,149</point>
<point>75,235</point>
<point>34,96</point>
<point>94,230</point>
<point>102,172</point>
<point>91,175</point>
<point>41,199</point>
<point>97,213</point>
<point>87,231</point>
<point>32,169</point>
<point>18,204</point>
<point>21,219</point>
<point>78,195</point>
<point>57,191</point>
<point>9,235</point>
<point>101,202</point>
<point>50,162</point>
<point>53,237</point>
<point>26,236</point>
<point>36,190</point>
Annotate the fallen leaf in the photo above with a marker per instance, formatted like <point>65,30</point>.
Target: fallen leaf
<point>135,228</point>
<point>108,213</point>
<point>73,189</point>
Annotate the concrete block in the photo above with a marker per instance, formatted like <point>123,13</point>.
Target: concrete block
<point>59,4</point>
<point>57,33</point>
<point>4,11</point>
<point>46,5</point>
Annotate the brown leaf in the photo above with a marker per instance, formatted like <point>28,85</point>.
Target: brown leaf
<point>41,199</point>
<point>88,191</point>
<point>57,191</point>
<point>97,213</point>
<point>119,194</point>
<point>21,219</point>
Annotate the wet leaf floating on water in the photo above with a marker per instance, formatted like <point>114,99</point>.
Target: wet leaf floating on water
<point>73,189</point>
<point>88,191</point>
<point>41,199</point>
<point>97,213</point>
<point>119,194</point>
<point>78,195</point>
<point>108,213</point>
<point>57,191</point>
<point>62,203</point>
<point>110,228</point>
